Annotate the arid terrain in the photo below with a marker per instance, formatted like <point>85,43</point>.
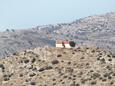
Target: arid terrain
<point>29,57</point>
<point>49,66</point>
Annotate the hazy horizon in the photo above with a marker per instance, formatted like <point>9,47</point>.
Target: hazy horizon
<point>19,14</point>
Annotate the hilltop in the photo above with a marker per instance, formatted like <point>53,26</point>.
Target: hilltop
<point>97,30</point>
<point>49,66</point>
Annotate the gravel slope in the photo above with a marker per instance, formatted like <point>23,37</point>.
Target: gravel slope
<point>48,66</point>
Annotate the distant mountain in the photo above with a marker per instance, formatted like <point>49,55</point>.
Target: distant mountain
<point>98,30</point>
<point>11,42</point>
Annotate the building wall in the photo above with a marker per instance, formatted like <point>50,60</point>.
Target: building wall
<point>67,46</point>
<point>59,46</point>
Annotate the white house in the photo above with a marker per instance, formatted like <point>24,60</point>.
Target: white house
<point>65,44</point>
<point>59,44</point>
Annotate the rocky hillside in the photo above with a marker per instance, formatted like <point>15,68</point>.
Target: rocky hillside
<point>48,66</point>
<point>93,30</point>
<point>96,30</point>
<point>12,42</point>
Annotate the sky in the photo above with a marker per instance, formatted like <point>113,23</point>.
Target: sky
<point>22,14</point>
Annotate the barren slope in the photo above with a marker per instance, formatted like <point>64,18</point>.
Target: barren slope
<point>48,66</point>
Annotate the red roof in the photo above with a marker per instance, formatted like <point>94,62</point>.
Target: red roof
<point>60,42</point>
<point>66,42</point>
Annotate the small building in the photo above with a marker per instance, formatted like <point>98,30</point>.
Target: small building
<point>59,44</point>
<point>65,44</point>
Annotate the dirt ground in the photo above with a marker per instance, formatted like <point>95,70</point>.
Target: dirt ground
<point>48,66</point>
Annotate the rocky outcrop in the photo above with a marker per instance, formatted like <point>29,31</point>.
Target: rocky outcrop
<point>48,66</point>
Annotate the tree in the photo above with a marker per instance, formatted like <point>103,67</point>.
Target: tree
<point>72,43</point>
<point>13,30</point>
<point>7,30</point>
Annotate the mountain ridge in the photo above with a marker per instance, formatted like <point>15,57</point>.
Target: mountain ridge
<point>97,30</point>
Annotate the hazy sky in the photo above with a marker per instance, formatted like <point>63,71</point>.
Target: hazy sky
<point>18,14</point>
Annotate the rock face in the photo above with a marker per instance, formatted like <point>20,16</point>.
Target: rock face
<point>93,30</point>
<point>48,66</point>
